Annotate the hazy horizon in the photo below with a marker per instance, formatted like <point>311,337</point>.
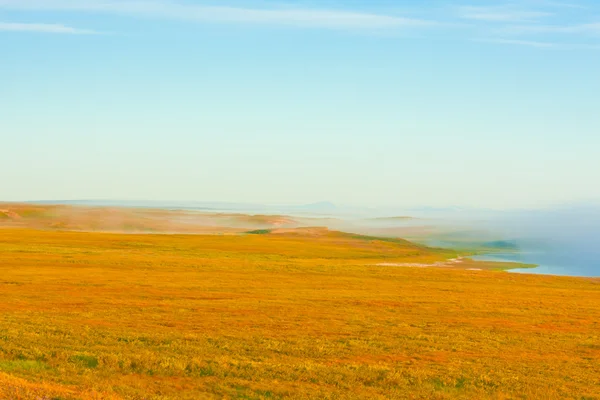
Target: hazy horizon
<point>592,205</point>
<point>562,241</point>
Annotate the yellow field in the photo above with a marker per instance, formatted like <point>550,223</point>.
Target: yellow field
<point>290,315</point>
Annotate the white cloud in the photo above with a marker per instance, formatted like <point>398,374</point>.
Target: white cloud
<point>500,14</point>
<point>558,4</point>
<point>532,43</point>
<point>528,43</point>
<point>42,28</point>
<point>590,29</point>
<point>517,25</point>
<point>302,17</point>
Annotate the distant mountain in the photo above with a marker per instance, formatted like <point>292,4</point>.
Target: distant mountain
<point>322,207</point>
<point>401,218</point>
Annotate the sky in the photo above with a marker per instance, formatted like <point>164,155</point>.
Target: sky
<point>376,103</point>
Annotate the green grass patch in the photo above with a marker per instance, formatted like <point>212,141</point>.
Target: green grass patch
<point>22,365</point>
<point>85,360</point>
<point>507,266</point>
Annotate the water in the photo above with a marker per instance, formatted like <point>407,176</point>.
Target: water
<point>579,257</point>
<point>563,241</point>
<point>546,263</point>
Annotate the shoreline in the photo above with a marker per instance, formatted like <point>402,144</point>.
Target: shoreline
<point>466,263</point>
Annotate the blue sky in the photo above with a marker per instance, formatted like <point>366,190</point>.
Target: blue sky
<point>380,103</point>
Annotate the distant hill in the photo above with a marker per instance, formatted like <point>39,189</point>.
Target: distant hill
<point>322,207</point>
<point>502,245</point>
<point>404,218</point>
<point>135,220</point>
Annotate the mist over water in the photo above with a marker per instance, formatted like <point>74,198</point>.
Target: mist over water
<point>562,241</point>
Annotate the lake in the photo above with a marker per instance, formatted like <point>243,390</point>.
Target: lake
<point>579,258</point>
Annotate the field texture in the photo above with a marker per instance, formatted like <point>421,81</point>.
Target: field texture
<point>297,314</point>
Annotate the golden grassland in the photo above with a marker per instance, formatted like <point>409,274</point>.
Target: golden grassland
<point>296,314</point>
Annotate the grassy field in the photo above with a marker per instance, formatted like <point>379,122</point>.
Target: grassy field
<point>291,314</point>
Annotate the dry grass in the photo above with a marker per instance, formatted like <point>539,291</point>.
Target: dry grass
<point>16,388</point>
<point>91,315</point>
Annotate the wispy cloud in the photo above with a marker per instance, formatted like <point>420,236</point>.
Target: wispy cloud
<point>525,23</point>
<point>558,4</point>
<point>528,43</point>
<point>164,9</point>
<point>43,28</point>
<point>532,23</point>
<point>590,29</point>
<point>541,45</point>
<point>500,14</point>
